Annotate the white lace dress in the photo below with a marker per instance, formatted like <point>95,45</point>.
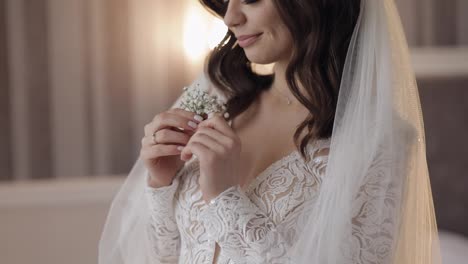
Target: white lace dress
<point>255,225</point>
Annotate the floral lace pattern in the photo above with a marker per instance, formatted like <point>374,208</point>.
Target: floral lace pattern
<point>160,203</point>
<point>255,225</point>
<point>260,224</point>
<point>373,233</point>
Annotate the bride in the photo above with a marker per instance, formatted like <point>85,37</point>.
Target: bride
<point>322,161</point>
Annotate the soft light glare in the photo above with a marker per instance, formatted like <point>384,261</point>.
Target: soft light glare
<point>263,69</point>
<point>202,32</point>
<point>217,32</point>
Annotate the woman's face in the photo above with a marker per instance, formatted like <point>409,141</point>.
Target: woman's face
<point>259,30</point>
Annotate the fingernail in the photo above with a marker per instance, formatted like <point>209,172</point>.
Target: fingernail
<point>210,115</point>
<point>192,124</point>
<point>198,118</point>
<point>180,148</point>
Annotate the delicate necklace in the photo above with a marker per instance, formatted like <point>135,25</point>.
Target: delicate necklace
<point>286,97</point>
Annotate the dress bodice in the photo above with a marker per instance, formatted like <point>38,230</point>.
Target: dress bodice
<point>257,224</point>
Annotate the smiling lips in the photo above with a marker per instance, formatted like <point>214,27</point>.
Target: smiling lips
<point>247,40</point>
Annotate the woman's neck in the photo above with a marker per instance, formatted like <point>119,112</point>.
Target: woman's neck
<point>279,94</point>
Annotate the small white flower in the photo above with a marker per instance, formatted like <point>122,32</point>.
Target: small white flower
<point>198,101</point>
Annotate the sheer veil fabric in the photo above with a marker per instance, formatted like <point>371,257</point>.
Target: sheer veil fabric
<point>375,203</point>
<point>381,198</point>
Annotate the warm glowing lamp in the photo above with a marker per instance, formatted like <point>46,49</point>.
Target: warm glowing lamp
<point>202,32</point>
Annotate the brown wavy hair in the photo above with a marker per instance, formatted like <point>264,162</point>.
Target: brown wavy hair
<point>321,32</point>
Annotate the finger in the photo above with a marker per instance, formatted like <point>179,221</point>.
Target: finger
<point>187,132</point>
<point>189,116</point>
<point>166,136</point>
<point>170,120</point>
<point>219,123</point>
<point>208,141</point>
<point>216,135</point>
<point>157,151</point>
<point>195,148</point>
<point>185,113</point>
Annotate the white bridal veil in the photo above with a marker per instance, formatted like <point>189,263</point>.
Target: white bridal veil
<point>375,203</point>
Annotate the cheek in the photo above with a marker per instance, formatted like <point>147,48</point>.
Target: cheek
<point>281,38</point>
<point>283,34</point>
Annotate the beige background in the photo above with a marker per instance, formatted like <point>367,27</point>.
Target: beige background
<point>80,78</point>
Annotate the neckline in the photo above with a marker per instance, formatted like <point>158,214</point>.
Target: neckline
<point>293,156</point>
<point>288,157</point>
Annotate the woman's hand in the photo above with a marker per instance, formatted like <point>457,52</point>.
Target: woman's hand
<point>218,150</point>
<point>159,147</point>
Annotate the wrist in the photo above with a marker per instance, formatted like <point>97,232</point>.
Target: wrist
<point>156,185</point>
<point>153,183</point>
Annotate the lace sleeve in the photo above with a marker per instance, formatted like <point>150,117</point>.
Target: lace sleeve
<point>373,233</point>
<point>246,232</point>
<point>162,230</point>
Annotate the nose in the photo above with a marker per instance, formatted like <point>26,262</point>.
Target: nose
<point>234,15</point>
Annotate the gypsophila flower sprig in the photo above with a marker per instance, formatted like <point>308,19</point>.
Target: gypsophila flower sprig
<point>200,102</point>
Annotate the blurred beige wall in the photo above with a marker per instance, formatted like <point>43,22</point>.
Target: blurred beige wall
<point>54,222</point>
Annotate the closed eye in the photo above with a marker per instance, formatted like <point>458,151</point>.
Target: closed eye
<point>249,1</point>
<point>243,1</point>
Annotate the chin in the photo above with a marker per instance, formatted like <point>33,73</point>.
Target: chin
<point>259,57</point>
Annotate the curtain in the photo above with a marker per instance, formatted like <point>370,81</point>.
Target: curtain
<point>80,78</point>
<point>435,22</point>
